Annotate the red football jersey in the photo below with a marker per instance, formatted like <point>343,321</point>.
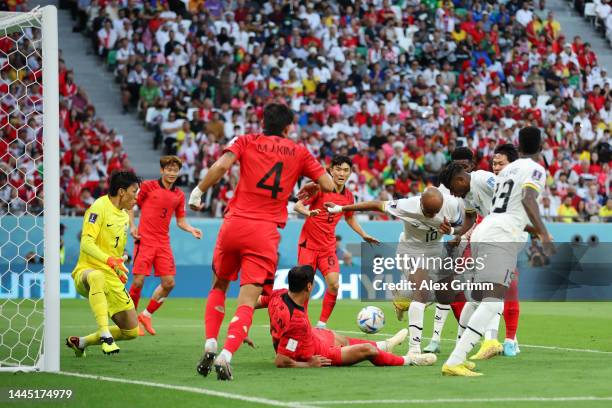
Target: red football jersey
<point>290,328</point>
<point>269,168</point>
<point>156,207</point>
<point>319,232</point>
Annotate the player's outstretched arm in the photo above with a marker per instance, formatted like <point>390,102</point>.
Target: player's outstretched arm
<point>185,226</point>
<point>530,204</point>
<point>215,173</point>
<point>354,224</point>
<point>363,206</point>
<point>324,183</point>
<point>282,361</point>
<point>300,208</point>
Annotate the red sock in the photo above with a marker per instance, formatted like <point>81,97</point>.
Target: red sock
<point>387,359</point>
<point>153,306</point>
<point>353,341</point>
<point>238,328</point>
<point>329,301</point>
<point>215,311</point>
<point>458,304</point>
<point>511,310</point>
<point>135,295</point>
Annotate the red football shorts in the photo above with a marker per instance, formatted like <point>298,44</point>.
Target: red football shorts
<point>325,345</point>
<point>158,257</point>
<point>325,261</point>
<point>249,247</point>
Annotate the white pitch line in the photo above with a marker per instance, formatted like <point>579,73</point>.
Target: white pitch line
<point>461,400</point>
<point>195,390</point>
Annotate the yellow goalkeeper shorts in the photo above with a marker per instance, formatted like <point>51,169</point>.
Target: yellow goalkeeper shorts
<point>117,296</point>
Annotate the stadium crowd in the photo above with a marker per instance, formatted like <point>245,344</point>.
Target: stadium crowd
<point>89,150</point>
<point>395,85</point>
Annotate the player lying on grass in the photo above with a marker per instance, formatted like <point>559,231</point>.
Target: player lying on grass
<point>317,243</point>
<point>247,243</point>
<point>100,274</point>
<point>158,200</point>
<point>497,241</point>
<point>297,344</point>
<point>426,221</point>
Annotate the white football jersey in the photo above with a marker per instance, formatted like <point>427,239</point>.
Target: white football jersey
<point>482,188</point>
<point>417,227</point>
<point>446,192</point>
<point>507,218</point>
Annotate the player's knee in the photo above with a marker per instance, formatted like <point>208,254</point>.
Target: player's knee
<point>368,350</point>
<point>168,285</point>
<point>333,287</point>
<point>129,334</point>
<point>138,281</point>
<point>95,279</point>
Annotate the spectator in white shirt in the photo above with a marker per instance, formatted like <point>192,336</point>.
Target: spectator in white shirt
<point>524,15</point>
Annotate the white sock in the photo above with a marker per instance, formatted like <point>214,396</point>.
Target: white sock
<point>105,334</point>
<point>381,345</point>
<point>485,312</point>
<point>210,346</point>
<point>226,355</point>
<point>493,328</point>
<point>439,320</point>
<point>146,313</point>
<point>321,324</point>
<point>416,312</point>
<point>82,342</point>
<point>466,314</point>
<point>407,360</point>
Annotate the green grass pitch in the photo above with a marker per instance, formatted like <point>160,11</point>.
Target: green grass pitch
<point>566,354</point>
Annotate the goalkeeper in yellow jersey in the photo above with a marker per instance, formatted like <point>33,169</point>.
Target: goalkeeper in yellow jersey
<point>100,275</point>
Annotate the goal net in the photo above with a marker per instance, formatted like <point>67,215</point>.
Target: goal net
<point>29,191</point>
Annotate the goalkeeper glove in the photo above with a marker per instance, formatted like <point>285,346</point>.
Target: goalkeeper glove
<point>117,265</point>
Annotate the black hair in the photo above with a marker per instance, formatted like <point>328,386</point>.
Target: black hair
<point>462,153</point>
<point>121,179</point>
<point>449,172</point>
<point>530,140</point>
<point>509,150</point>
<point>299,277</point>
<point>276,118</point>
<point>338,160</point>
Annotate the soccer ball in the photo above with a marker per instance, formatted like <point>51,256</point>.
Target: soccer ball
<point>370,319</point>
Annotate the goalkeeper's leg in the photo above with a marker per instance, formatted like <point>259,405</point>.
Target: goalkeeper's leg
<point>106,297</point>
<point>127,331</point>
<point>96,284</point>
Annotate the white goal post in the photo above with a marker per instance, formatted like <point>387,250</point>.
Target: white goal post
<point>29,336</point>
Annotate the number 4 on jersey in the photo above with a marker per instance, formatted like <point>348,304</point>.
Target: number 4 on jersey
<point>275,188</point>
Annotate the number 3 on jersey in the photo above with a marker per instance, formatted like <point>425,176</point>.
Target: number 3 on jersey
<point>275,188</point>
